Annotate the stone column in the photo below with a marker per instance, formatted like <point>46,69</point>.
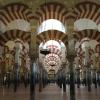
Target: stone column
<point>43,77</point>
<point>78,77</point>
<point>40,78</point>
<point>93,69</point>
<point>98,70</point>
<point>5,58</point>
<point>33,56</point>
<point>88,67</point>
<point>18,47</point>
<point>70,57</point>
<point>64,77</point>
<point>60,79</point>
<point>77,69</point>
<point>64,83</point>
<point>97,49</point>
<point>94,79</point>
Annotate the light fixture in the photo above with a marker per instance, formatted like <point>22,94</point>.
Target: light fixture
<point>44,51</point>
<point>52,65</point>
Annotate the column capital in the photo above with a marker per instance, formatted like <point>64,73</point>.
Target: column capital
<point>70,25</point>
<point>71,47</point>
<point>70,58</point>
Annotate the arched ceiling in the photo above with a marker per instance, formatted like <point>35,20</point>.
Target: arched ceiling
<point>68,3</point>
<point>14,34</point>
<point>52,35</point>
<point>34,12</point>
<point>39,11</point>
<point>90,33</point>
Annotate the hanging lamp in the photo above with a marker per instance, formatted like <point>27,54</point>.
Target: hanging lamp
<point>45,51</point>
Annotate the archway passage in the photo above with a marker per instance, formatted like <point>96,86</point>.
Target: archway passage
<point>27,27</point>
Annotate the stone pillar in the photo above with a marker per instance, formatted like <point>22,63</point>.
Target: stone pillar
<point>64,83</point>
<point>84,76</point>
<point>5,58</point>
<point>89,78</point>
<point>78,77</point>
<point>33,57</point>
<point>18,47</point>
<point>64,77</point>
<point>70,57</point>
<point>40,79</point>
<point>94,69</point>
<point>88,72</point>
<point>60,79</point>
<point>94,79</point>
<point>72,78</point>
<point>43,78</point>
<point>97,50</point>
<point>77,69</point>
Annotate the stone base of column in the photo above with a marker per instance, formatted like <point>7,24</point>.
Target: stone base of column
<point>40,85</point>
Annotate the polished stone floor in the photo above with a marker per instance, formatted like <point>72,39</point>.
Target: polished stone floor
<point>50,92</point>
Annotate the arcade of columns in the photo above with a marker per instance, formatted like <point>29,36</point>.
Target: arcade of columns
<point>17,25</point>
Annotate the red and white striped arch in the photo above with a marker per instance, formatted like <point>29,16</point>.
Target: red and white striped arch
<point>51,59</point>
<point>89,33</point>
<point>48,68</point>
<point>89,10</point>
<point>97,48</point>
<point>54,49</point>
<point>13,17</point>
<point>52,35</point>
<point>50,63</point>
<point>14,34</point>
<point>53,10</point>
<point>15,11</point>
